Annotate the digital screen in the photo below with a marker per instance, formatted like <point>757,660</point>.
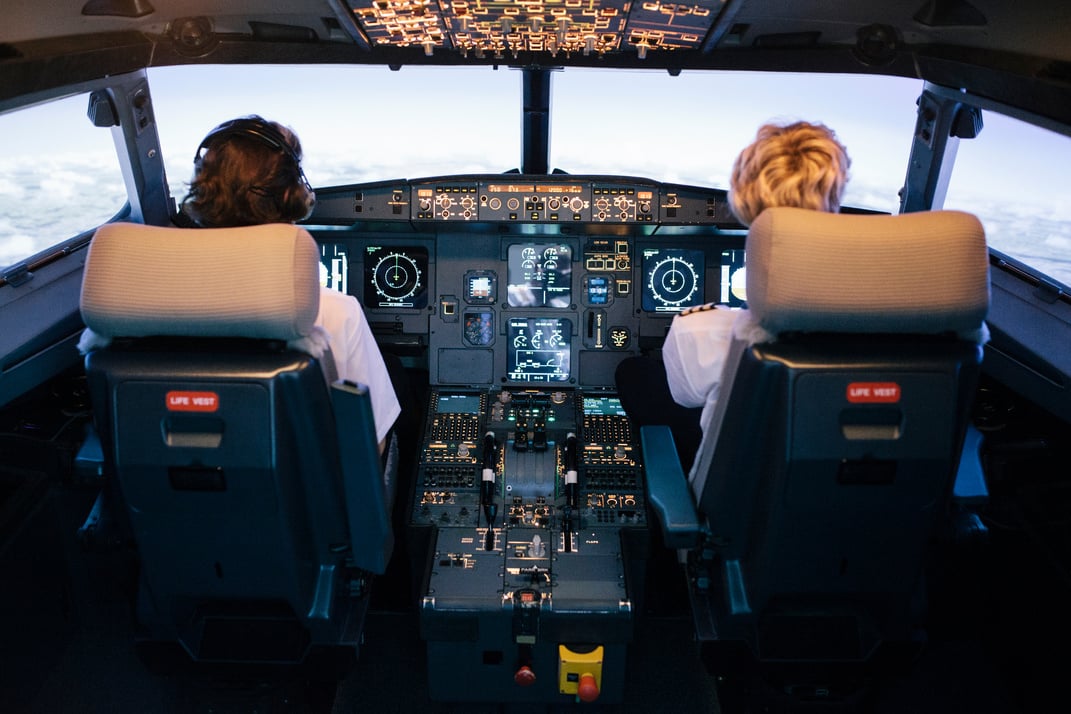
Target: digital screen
<point>608,406</point>
<point>480,287</point>
<point>538,349</point>
<point>672,279</point>
<point>396,277</point>
<point>458,404</point>
<point>733,278</point>
<point>334,267</point>
<point>597,289</point>
<point>539,275</point>
<point>479,327</point>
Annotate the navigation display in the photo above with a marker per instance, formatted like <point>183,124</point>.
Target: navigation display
<point>539,275</point>
<point>538,349</point>
<point>396,277</point>
<point>672,279</point>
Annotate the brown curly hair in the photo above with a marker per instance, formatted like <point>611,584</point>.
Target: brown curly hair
<point>243,180</point>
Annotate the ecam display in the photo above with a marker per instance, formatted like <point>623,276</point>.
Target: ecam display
<point>538,349</point>
<point>539,275</point>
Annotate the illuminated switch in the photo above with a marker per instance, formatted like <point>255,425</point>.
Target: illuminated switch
<point>448,308</point>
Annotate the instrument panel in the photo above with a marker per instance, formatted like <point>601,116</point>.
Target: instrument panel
<point>524,281</point>
<point>520,296</point>
<point>516,198</point>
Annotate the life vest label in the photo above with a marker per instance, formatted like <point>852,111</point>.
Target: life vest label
<point>873,392</point>
<point>178,401</point>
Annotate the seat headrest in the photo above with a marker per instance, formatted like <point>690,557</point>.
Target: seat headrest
<point>813,271</point>
<point>257,281</point>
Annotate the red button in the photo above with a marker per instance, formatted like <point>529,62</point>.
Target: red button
<point>587,689</point>
<point>524,676</point>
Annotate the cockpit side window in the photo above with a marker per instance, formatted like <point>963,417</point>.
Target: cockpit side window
<point>1013,176</point>
<point>59,177</point>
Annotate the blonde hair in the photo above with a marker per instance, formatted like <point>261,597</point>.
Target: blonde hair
<point>800,165</point>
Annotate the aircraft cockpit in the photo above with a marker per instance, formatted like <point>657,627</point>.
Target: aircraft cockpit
<point>528,514</point>
<point>872,503</point>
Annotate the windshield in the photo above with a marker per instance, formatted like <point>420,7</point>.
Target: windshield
<point>360,124</point>
<point>1013,176</point>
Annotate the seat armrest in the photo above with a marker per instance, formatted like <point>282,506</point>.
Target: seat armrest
<point>366,490</point>
<point>668,490</point>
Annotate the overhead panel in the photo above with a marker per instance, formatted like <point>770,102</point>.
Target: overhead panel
<point>494,28</point>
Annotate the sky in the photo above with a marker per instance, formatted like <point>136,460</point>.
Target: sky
<point>686,128</point>
<point>370,123</point>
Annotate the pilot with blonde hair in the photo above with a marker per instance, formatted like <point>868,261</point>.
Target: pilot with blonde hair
<point>800,165</point>
<point>247,171</point>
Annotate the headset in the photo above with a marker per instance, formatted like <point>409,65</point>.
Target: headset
<point>257,128</point>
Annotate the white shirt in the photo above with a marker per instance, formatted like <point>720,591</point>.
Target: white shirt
<point>356,354</point>
<point>694,355</point>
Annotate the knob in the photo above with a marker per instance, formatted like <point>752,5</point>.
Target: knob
<point>525,677</point>
<point>587,689</point>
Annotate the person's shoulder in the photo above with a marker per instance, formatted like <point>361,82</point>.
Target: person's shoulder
<point>697,309</point>
<point>702,318</point>
<point>333,301</point>
<point>329,295</point>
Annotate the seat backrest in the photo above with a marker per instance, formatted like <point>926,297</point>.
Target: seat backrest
<point>252,526</point>
<point>832,450</point>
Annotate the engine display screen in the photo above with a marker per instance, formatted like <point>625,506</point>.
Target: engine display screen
<point>539,275</point>
<point>538,349</point>
<point>672,279</point>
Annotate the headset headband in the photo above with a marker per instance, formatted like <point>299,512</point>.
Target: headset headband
<point>254,128</point>
<point>262,131</point>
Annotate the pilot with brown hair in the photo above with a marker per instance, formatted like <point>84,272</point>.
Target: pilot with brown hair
<point>247,171</point>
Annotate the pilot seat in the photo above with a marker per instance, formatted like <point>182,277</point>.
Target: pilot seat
<point>251,485</point>
<point>827,466</point>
